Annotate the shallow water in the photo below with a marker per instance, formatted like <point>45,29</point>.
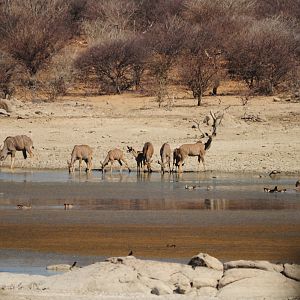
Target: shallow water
<point>113,213</point>
<point>50,189</point>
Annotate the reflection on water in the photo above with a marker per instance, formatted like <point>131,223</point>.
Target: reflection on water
<point>132,191</point>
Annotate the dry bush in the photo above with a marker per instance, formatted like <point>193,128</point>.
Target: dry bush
<point>59,76</point>
<point>283,8</point>
<point>32,31</point>
<point>116,64</point>
<point>153,12</point>
<point>7,68</point>
<point>166,41</point>
<point>112,20</point>
<point>200,65</point>
<point>263,54</point>
<point>220,18</point>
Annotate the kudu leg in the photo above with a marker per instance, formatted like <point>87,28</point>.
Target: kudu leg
<point>80,163</point>
<point>180,167</point>
<point>12,159</point>
<point>126,164</point>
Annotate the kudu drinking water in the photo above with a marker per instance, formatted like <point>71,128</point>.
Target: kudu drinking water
<point>112,156</point>
<point>139,158</point>
<point>81,152</point>
<point>143,158</point>
<point>199,148</point>
<point>16,143</point>
<point>165,155</point>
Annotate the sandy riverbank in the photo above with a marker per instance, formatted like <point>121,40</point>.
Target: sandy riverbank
<point>118,121</point>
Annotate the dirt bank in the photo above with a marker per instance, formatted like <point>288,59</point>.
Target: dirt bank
<point>117,121</point>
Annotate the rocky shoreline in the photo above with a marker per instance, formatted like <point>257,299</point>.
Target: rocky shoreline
<point>205,277</point>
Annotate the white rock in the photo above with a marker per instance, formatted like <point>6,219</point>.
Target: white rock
<point>205,260</point>
<point>292,271</point>
<point>59,267</point>
<point>4,112</point>
<point>257,264</point>
<point>271,285</point>
<point>233,275</point>
<point>16,281</point>
<point>207,291</point>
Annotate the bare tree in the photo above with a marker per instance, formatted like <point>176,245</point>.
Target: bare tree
<point>166,42</point>
<point>200,66</point>
<point>32,31</point>
<point>110,20</point>
<point>115,64</point>
<point>149,13</point>
<point>7,68</point>
<point>263,54</point>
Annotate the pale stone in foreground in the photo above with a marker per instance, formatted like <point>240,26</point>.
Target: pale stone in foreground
<point>271,285</point>
<point>257,264</point>
<point>60,267</point>
<point>234,275</point>
<point>130,278</point>
<point>292,271</point>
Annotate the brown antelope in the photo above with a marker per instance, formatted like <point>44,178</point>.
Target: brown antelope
<point>81,152</point>
<point>112,156</point>
<point>199,149</point>
<point>165,155</point>
<point>143,157</point>
<point>139,158</point>
<point>16,143</point>
<point>176,159</point>
<point>148,151</point>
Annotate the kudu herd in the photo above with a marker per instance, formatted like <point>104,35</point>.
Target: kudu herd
<point>143,158</point>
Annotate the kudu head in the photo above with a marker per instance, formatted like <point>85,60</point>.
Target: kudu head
<point>217,119</point>
<point>162,166</point>
<point>70,166</point>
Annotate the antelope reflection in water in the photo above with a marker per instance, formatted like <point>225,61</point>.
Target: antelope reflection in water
<point>216,204</point>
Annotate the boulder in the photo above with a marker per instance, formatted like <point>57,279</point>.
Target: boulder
<point>5,105</point>
<point>59,267</point>
<point>207,291</point>
<point>4,112</point>
<point>205,260</point>
<point>257,264</point>
<point>292,271</point>
<point>266,285</point>
<point>233,275</point>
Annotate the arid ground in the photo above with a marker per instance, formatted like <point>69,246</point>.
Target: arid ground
<point>118,121</point>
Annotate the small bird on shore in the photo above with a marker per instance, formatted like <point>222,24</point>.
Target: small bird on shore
<point>73,265</point>
<point>24,207</point>
<point>130,253</point>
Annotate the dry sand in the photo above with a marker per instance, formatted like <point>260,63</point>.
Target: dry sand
<point>117,121</point>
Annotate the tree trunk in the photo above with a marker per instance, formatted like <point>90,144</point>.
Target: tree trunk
<point>199,98</point>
